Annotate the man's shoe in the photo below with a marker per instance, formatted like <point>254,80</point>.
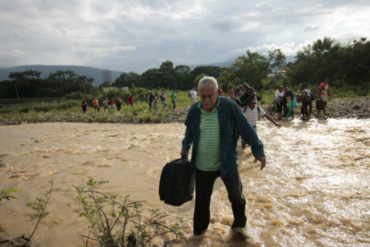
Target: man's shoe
<point>240,232</point>
<point>198,236</point>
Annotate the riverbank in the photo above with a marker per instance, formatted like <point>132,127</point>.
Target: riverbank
<point>337,108</point>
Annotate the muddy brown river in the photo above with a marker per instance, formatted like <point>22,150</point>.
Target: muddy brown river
<point>314,191</point>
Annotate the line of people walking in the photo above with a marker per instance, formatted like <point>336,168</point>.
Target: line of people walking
<point>108,104</point>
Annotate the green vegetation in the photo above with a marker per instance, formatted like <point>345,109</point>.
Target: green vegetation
<point>28,84</point>
<point>69,109</point>
<point>7,194</point>
<point>112,222</point>
<point>38,206</point>
<point>115,223</point>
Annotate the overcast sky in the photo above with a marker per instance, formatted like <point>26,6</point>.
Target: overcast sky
<point>136,35</point>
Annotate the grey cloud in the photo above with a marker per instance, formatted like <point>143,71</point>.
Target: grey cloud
<point>132,35</point>
<point>311,29</point>
<point>224,26</point>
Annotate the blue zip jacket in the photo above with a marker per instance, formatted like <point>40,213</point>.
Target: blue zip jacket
<point>232,123</point>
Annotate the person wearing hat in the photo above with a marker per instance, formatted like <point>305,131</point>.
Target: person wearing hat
<point>252,112</point>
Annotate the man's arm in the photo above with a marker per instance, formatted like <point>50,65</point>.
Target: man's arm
<point>272,120</point>
<point>188,138</point>
<point>186,142</point>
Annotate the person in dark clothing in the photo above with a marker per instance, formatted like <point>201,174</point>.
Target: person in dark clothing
<point>312,97</point>
<point>149,97</point>
<point>163,99</point>
<point>84,106</point>
<point>118,103</point>
<point>213,126</point>
<point>306,99</point>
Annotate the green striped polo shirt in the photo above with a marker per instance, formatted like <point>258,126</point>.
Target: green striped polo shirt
<point>207,157</point>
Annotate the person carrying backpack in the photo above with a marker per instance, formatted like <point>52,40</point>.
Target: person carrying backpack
<point>252,112</point>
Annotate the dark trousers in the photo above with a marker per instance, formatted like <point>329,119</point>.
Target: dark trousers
<point>204,182</point>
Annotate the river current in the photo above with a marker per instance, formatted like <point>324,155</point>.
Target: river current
<point>314,191</point>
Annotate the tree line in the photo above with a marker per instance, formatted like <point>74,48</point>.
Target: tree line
<point>342,64</point>
<point>28,84</point>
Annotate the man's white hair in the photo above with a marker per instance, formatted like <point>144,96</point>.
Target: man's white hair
<point>207,80</point>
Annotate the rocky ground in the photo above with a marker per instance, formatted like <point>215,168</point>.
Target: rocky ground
<point>339,108</point>
<point>349,108</point>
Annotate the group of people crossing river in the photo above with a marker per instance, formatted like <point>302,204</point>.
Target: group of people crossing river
<point>285,101</point>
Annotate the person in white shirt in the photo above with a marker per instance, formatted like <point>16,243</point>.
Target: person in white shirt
<point>193,95</point>
<point>252,112</point>
<point>279,95</point>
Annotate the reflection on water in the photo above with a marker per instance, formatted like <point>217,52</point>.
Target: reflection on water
<point>313,192</point>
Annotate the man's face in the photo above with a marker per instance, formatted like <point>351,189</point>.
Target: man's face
<point>252,105</point>
<point>208,97</point>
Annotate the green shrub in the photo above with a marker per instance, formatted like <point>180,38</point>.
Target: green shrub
<point>111,219</point>
<point>145,118</point>
<point>7,194</point>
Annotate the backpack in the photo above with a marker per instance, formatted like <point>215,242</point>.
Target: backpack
<point>244,94</point>
<point>176,183</point>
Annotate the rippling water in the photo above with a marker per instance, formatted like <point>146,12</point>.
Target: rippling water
<point>314,191</point>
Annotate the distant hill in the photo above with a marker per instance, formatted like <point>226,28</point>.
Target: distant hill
<point>99,75</point>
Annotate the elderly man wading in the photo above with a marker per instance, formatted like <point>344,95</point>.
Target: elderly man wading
<point>213,126</point>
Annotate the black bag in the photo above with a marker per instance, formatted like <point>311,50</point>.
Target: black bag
<point>176,184</point>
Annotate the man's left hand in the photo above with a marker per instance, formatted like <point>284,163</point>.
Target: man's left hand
<point>263,162</point>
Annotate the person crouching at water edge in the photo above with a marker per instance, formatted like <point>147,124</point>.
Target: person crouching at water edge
<point>213,126</point>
